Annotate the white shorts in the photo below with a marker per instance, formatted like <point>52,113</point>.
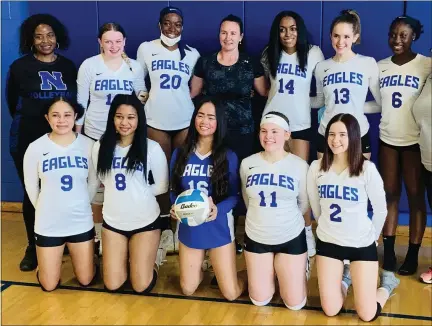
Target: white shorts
<point>99,197</point>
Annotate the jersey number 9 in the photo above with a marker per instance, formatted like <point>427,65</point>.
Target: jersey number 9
<point>66,182</point>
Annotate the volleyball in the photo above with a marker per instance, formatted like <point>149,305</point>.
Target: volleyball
<point>192,207</point>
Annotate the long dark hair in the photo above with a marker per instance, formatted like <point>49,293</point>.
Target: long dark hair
<point>219,178</point>
<point>355,155</point>
<point>137,153</point>
<point>274,47</point>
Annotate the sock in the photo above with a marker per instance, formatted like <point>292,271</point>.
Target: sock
<point>412,254</point>
<point>308,228</point>
<point>98,230</point>
<point>389,254</point>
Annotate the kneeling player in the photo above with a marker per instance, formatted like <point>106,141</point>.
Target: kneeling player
<point>60,181</point>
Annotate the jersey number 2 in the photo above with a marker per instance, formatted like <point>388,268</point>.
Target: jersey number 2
<point>273,201</point>
<point>168,82</point>
<point>333,215</point>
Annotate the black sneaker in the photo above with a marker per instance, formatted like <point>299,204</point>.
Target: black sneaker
<point>239,247</point>
<point>29,262</point>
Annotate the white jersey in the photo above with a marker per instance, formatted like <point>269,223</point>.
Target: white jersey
<point>339,204</point>
<point>345,86</point>
<point>129,201</point>
<point>169,106</point>
<point>68,183</point>
<point>289,91</point>
<point>400,86</point>
<point>422,111</point>
<point>99,84</point>
<point>275,196</point>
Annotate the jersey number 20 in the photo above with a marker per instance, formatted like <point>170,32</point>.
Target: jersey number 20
<point>168,81</point>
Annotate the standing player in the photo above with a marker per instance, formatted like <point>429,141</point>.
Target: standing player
<point>204,163</point>
<point>344,79</point>
<point>422,111</point>
<point>33,80</point>
<point>100,78</point>
<point>134,171</point>
<point>290,62</point>
<point>339,187</point>
<point>169,108</point>
<point>402,77</point>
<point>274,191</point>
<point>231,75</point>
<point>60,181</point>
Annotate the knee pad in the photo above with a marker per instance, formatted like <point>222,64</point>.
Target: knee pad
<point>151,285</point>
<point>261,303</point>
<point>119,289</point>
<point>378,312</point>
<point>297,307</point>
<point>94,279</point>
<point>42,287</point>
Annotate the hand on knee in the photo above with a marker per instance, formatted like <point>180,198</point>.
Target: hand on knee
<point>295,305</point>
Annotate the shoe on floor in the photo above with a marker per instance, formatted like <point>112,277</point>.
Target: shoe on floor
<point>29,262</point>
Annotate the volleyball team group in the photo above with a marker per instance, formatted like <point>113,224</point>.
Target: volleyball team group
<point>103,159</point>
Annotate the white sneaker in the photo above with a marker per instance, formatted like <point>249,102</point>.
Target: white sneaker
<point>160,257</point>
<point>167,241</point>
<point>310,240</point>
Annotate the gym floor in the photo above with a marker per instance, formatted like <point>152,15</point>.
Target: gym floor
<point>23,302</point>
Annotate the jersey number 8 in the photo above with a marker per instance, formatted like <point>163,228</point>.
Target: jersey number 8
<point>120,181</point>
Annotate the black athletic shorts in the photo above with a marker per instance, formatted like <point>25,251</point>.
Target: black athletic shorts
<point>43,241</point>
<point>171,133</point>
<point>296,246</point>
<point>305,134</point>
<point>365,143</point>
<point>331,250</point>
<point>400,149</point>
<point>156,225</point>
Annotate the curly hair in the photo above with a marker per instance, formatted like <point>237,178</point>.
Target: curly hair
<point>29,26</point>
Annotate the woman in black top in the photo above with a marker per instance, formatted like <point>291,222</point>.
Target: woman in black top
<point>231,75</point>
<point>33,80</point>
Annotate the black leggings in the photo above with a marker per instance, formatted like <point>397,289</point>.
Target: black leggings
<point>428,184</point>
<point>27,206</point>
<point>397,162</point>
